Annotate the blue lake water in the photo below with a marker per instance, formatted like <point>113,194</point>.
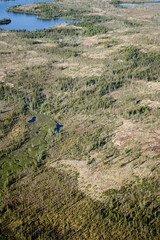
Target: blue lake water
<point>58,127</point>
<point>32,120</point>
<point>140,3</point>
<point>20,21</point>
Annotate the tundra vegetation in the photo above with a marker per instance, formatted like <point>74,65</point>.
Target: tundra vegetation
<point>98,176</point>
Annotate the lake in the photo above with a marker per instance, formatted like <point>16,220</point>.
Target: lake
<point>140,3</point>
<point>20,21</point>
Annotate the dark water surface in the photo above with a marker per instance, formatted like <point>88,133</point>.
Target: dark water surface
<point>20,21</point>
<point>32,120</point>
<point>58,127</point>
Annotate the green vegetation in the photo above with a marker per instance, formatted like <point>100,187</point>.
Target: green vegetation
<point>141,65</point>
<point>49,11</point>
<point>4,21</point>
<point>98,176</point>
<point>46,205</point>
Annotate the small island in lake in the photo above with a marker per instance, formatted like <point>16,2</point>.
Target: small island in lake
<point>5,21</point>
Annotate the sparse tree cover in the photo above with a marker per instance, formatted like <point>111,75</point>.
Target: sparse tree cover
<point>79,124</point>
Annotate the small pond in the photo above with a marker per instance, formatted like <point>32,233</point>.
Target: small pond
<point>32,120</point>
<point>58,127</point>
<point>21,21</point>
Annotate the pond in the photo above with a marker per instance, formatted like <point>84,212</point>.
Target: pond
<point>32,120</point>
<point>58,127</point>
<point>21,21</point>
<point>139,3</point>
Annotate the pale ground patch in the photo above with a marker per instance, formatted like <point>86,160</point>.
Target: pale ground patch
<point>144,13</point>
<point>96,177</point>
<point>48,44</point>
<point>3,43</point>
<point>29,7</point>
<point>2,75</point>
<point>80,69</point>
<point>154,86</point>
<point>152,104</point>
<point>152,144</point>
<point>61,25</point>
<point>130,135</point>
<point>16,133</point>
<point>94,181</point>
<point>97,54</point>
<point>98,12</point>
<point>34,59</point>
<point>93,40</point>
<point>64,25</point>
<point>128,39</point>
<point>15,63</point>
<point>5,34</point>
<point>125,134</point>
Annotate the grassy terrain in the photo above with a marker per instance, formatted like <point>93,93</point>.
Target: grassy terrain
<point>98,176</point>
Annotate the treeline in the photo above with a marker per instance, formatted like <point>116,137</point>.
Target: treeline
<point>53,34</point>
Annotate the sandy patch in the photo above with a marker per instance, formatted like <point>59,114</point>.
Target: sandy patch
<point>80,69</point>
<point>151,104</point>
<point>125,134</point>
<point>29,7</point>
<point>92,40</point>
<point>154,85</point>
<point>15,63</point>
<point>3,43</point>
<point>93,182</point>
<point>64,25</point>
<point>5,34</point>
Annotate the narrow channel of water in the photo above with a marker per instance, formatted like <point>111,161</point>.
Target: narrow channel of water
<point>20,21</point>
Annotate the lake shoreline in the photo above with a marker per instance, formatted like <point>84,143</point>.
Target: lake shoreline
<point>137,3</point>
<point>30,21</point>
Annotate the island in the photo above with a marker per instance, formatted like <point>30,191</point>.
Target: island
<point>5,21</point>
